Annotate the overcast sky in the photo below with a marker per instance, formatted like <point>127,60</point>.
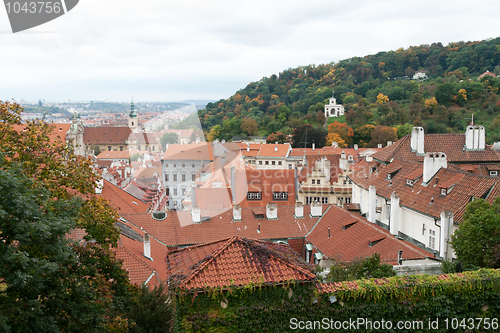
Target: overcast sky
<point>161,50</point>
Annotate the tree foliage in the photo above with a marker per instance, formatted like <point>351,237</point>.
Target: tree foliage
<point>168,138</point>
<point>342,130</point>
<point>477,239</point>
<point>152,311</point>
<point>53,284</point>
<point>306,135</point>
<point>382,134</point>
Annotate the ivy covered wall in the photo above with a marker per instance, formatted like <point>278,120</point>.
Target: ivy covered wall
<point>419,300</point>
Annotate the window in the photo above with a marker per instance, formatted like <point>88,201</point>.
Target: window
<point>175,177</point>
<point>109,148</point>
<point>324,200</point>
<point>289,166</point>
<point>267,162</point>
<point>193,177</point>
<point>175,165</point>
<point>138,148</point>
<point>183,177</point>
<point>313,181</point>
<point>388,212</point>
<point>192,165</point>
<point>347,200</point>
<point>318,181</point>
<point>308,200</point>
<point>175,190</point>
<point>443,191</point>
<point>493,173</point>
<point>280,163</point>
<point>280,196</point>
<point>183,191</point>
<point>121,148</point>
<point>166,165</point>
<point>409,182</point>
<point>166,177</point>
<point>260,162</point>
<point>153,148</point>
<point>345,182</point>
<point>254,196</point>
<point>273,162</point>
<point>432,239</point>
<point>183,165</point>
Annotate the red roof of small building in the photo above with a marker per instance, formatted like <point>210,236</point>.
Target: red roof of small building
<point>236,261</point>
<point>113,155</point>
<point>202,151</point>
<point>122,201</point>
<point>106,135</point>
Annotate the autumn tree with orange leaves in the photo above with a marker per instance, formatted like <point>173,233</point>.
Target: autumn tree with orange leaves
<point>342,131</point>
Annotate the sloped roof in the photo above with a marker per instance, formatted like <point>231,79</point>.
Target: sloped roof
<point>235,261</point>
<point>122,201</point>
<point>178,229</point>
<point>59,130</point>
<point>145,138</point>
<point>354,241</point>
<point>311,160</point>
<point>274,150</point>
<point>114,155</point>
<point>106,135</point>
<point>139,271</point>
<point>426,199</point>
<point>452,144</point>
<point>202,151</point>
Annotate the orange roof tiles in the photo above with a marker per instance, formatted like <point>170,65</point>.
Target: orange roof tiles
<point>236,261</point>
<point>114,155</point>
<point>426,199</point>
<point>177,229</point>
<point>201,151</point>
<point>452,144</point>
<point>122,201</point>
<point>274,150</point>
<point>337,243</point>
<point>106,135</point>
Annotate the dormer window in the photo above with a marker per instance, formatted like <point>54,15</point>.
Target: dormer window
<point>373,169</point>
<point>254,195</point>
<point>493,173</point>
<point>443,192</point>
<point>389,176</point>
<point>409,182</point>
<point>280,196</point>
<point>349,158</point>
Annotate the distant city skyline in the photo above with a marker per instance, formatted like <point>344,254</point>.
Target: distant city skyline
<point>165,51</point>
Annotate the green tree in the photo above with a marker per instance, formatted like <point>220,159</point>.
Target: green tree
<point>370,267</point>
<point>363,135</point>
<point>306,135</point>
<point>477,239</point>
<point>152,311</point>
<point>168,138</point>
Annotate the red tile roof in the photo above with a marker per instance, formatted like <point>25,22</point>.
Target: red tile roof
<point>59,130</point>
<point>109,155</point>
<point>452,144</point>
<point>178,229</point>
<point>201,151</point>
<point>145,138</point>
<point>122,201</point>
<point>236,261</point>
<point>266,182</point>
<point>347,244</point>
<point>274,150</point>
<point>106,135</point>
<point>426,199</point>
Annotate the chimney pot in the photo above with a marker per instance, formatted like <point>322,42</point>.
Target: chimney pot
<point>147,245</point>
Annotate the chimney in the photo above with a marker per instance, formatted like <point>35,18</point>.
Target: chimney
<point>356,146</point>
<point>335,144</point>
<point>372,196</point>
<point>446,226</point>
<point>474,137</point>
<point>316,209</point>
<point>313,146</point>
<point>389,143</point>
<point>326,170</point>
<point>271,211</point>
<point>379,145</point>
<point>237,213</point>
<point>432,163</point>
<point>147,246</point>
<point>223,141</point>
<point>394,222</point>
<point>400,257</point>
<point>417,140</point>
<point>233,183</point>
<point>296,175</point>
<point>99,185</point>
<point>193,195</point>
<point>369,158</point>
<point>258,229</point>
<point>197,141</point>
<point>329,235</point>
<point>481,138</point>
<point>248,146</point>
<point>196,214</point>
<point>276,148</point>
<point>299,209</point>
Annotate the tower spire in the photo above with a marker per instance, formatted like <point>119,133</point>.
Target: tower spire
<point>132,113</point>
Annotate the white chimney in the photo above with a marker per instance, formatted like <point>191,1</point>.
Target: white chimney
<point>196,214</point>
<point>369,158</point>
<point>316,209</point>
<point>356,146</point>
<point>414,137</point>
<point>417,140</point>
<point>481,138</point>
<point>394,223</point>
<point>343,161</point>
<point>326,169</point>
<point>389,143</point>
<point>432,163</point>
<point>469,137</point>
<point>335,144</point>
<point>446,226</point>
<point>237,213</point>
<point>271,211</point>
<point>372,196</point>
<point>379,145</point>
<point>314,146</point>
<point>476,137</point>
<point>147,246</point>
<point>299,209</point>
<point>248,146</point>
<point>99,185</point>
<point>276,148</point>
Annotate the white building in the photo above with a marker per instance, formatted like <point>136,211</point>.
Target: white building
<point>332,109</point>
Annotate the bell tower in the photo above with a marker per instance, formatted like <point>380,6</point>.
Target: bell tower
<point>132,118</point>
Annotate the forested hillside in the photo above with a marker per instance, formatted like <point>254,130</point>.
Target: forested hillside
<point>375,90</point>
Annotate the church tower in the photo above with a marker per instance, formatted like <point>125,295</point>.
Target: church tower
<point>132,118</point>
